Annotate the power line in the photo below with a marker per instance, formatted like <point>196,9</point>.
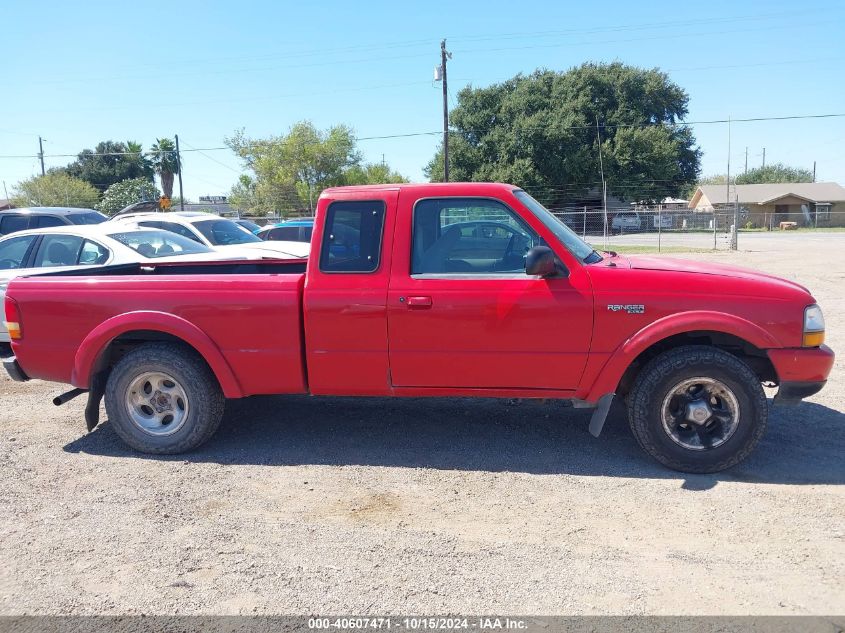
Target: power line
<point>420,43</point>
<point>211,158</point>
<point>543,127</point>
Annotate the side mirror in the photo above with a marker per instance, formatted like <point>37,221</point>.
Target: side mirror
<point>541,261</point>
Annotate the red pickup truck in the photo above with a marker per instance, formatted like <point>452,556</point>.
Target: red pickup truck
<point>459,289</point>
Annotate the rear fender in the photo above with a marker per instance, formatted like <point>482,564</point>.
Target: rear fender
<point>680,323</point>
<point>90,351</point>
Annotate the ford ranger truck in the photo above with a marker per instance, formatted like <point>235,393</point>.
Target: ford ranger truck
<point>442,290</point>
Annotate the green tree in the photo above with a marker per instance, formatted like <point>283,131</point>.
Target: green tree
<point>165,163</point>
<point>110,162</point>
<point>290,171</point>
<point>541,132</point>
<point>120,195</point>
<point>55,189</point>
<point>135,154</point>
<point>372,174</point>
<point>777,172</point>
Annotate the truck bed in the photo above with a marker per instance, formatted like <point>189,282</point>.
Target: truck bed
<point>250,311</point>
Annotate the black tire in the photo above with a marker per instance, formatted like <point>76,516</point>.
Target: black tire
<point>656,381</point>
<point>198,384</point>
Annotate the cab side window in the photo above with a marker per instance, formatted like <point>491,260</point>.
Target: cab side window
<point>469,236</point>
<point>13,222</point>
<point>352,237</point>
<point>13,252</point>
<point>58,250</point>
<point>44,221</point>
<point>284,234</point>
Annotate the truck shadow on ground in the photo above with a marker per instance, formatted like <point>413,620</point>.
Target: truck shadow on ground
<point>803,444</point>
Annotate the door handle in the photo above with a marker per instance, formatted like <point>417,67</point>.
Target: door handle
<point>419,302</point>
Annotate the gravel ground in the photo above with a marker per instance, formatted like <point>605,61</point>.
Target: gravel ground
<point>379,506</point>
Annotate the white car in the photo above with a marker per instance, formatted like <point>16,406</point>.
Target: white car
<point>60,248</point>
<point>214,231</point>
<point>626,221</point>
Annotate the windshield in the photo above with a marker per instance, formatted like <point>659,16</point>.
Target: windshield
<point>225,232</point>
<point>155,243</point>
<point>87,218</point>
<point>568,238</point>
<point>252,227</point>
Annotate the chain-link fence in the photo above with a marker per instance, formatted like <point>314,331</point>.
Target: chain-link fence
<point>651,228</point>
<point>671,229</point>
<point>675,229</point>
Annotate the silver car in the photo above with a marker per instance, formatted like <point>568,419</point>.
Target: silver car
<point>62,248</point>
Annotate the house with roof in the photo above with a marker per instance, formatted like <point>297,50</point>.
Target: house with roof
<point>767,205</point>
<point>6,204</point>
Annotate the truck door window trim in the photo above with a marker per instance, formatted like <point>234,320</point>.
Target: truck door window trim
<point>378,207</point>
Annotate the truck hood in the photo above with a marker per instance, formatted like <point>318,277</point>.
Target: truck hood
<point>642,262</point>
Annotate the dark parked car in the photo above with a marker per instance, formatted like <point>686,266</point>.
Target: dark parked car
<point>294,230</point>
<point>14,220</point>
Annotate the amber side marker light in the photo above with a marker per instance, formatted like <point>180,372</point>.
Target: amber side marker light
<point>13,320</point>
<point>813,326</point>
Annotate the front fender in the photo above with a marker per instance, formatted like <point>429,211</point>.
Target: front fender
<point>92,347</point>
<point>694,321</point>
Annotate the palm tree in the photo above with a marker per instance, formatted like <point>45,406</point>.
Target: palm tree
<point>136,153</point>
<point>165,163</point>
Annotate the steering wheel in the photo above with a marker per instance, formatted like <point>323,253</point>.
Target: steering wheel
<point>8,264</point>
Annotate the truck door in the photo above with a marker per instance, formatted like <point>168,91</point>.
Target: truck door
<point>345,298</point>
<point>462,313</point>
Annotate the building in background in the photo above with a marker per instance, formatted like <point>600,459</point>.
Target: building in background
<point>816,204</point>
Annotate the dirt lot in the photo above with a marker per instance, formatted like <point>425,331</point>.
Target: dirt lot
<point>375,506</point>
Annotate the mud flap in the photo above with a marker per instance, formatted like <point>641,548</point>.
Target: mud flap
<point>95,396</point>
<point>600,414</point>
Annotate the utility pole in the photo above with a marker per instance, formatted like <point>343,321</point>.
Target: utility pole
<point>179,167</point>
<point>603,183</point>
<point>814,171</point>
<point>746,160</point>
<point>735,228</point>
<point>41,154</point>
<point>444,56</point>
<point>764,157</point>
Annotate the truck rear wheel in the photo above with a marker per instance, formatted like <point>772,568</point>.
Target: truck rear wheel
<point>163,399</point>
<point>697,409</point>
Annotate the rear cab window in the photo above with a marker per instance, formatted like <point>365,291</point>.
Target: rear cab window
<point>352,237</point>
<point>156,243</point>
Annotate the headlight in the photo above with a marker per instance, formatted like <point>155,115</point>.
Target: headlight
<point>813,326</point>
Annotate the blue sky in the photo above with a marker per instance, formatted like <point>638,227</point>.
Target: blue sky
<point>77,73</point>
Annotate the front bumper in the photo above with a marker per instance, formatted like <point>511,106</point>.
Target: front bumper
<point>14,369</point>
<point>795,392</point>
<point>802,372</point>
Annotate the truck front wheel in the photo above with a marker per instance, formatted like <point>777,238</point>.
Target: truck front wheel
<point>163,399</point>
<point>697,409</point>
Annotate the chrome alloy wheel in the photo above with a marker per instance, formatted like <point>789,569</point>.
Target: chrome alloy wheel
<point>700,413</point>
<point>157,403</point>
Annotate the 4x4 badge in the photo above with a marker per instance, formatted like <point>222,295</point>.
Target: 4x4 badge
<point>630,308</point>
